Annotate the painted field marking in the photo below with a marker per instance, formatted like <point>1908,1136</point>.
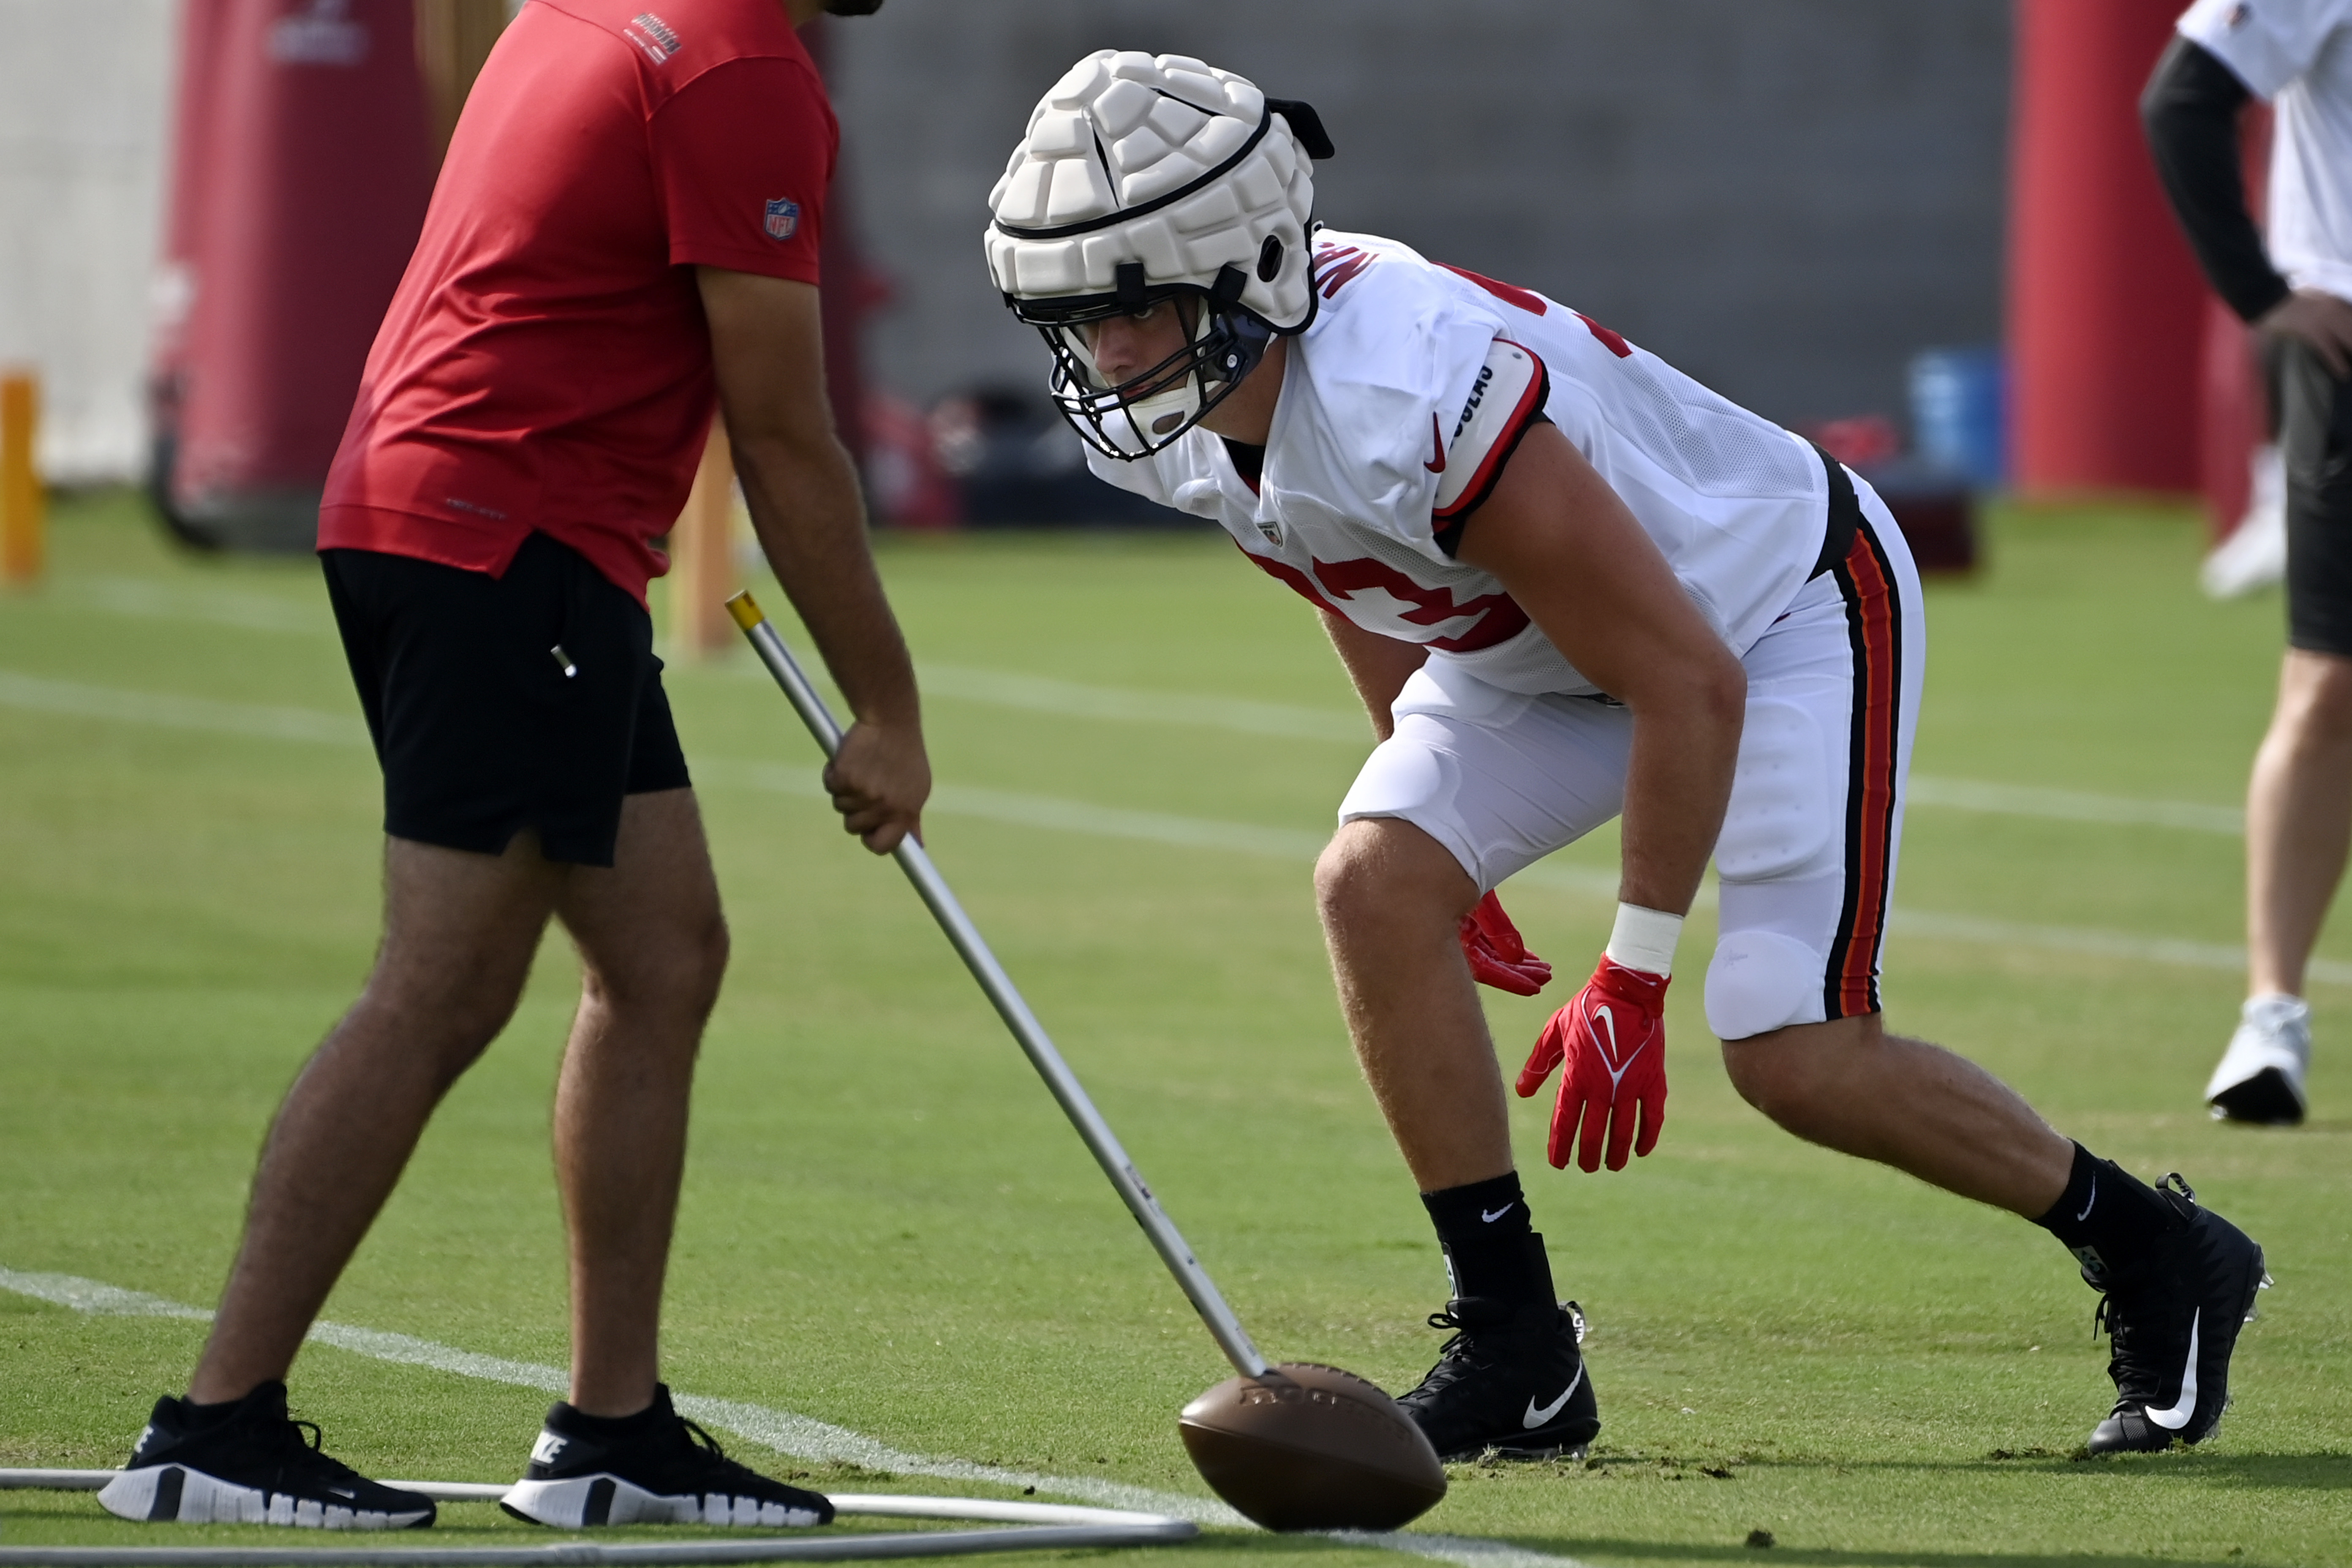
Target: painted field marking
<point>2074,806</point>
<point>796,1437</point>
<point>149,599</point>
<point>143,599</point>
<point>1068,700</point>
<point>74,699</point>
<point>41,694</point>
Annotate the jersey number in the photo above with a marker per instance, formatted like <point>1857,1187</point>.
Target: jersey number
<point>1498,615</point>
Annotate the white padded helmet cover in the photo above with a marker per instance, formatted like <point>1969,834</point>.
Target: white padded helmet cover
<point>1123,130</point>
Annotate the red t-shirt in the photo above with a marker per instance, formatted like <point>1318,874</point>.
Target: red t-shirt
<point>545,364</point>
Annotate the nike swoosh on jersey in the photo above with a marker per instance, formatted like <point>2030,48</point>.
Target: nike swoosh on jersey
<point>1436,464</point>
<point>2174,1419</point>
<point>1538,1415</point>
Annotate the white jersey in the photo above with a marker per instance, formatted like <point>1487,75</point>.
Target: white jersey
<point>2297,53</point>
<point>1400,404</point>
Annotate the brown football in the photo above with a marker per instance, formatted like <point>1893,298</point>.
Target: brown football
<point>1312,1447</point>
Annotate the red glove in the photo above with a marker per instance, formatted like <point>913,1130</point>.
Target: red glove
<point>1613,1038</point>
<point>1498,957</point>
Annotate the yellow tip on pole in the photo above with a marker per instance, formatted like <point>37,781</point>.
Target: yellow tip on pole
<point>21,501</point>
<point>745,609</point>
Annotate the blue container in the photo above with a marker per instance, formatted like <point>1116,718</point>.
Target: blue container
<point>1959,413</point>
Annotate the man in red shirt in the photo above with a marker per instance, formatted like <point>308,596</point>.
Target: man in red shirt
<point>624,234</point>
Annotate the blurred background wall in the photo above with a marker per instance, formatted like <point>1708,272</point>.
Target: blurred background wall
<point>1785,198</point>
<point>84,100</point>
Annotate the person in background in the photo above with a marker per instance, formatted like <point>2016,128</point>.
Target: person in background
<point>2298,294</point>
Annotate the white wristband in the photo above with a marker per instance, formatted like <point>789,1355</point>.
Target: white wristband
<point>1644,940</point>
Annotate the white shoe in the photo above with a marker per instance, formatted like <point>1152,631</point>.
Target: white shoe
<point>2260,1076</point>
<point>2254,555</point>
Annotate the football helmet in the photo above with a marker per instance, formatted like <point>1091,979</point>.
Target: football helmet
<point>1143,178</point>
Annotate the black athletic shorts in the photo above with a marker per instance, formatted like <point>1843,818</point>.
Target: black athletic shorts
<point>2315,439</point>
<point>483,727</point>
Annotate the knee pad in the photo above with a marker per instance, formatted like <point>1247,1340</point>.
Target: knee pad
<point>1760,980</point>
<point>1779,815</point>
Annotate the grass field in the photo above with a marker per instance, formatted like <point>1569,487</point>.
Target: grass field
<point>886,1227</point>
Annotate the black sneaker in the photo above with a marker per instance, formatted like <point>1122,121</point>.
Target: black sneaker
<point>251,1465</point>
<point>1510,1382</point>
<point>2172,1321</point>
<point>658,1469</point>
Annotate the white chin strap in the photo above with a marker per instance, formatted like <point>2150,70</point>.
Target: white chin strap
<point>1150,421</point>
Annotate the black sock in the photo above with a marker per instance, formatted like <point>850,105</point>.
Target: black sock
<point>196,1417</point>
<point>2109,1218</point>
<point>580,1424</point>
<point>1491,1252</point>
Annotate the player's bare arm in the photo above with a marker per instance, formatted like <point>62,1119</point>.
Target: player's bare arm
<point>767,344</point>
<point>1378,666</point>
<point>1558,537</point>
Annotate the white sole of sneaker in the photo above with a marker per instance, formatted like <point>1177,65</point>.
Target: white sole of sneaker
<point>585,1502</point>
<point>174,1494</point>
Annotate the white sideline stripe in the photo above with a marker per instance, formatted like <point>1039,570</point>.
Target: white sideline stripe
<point>146,599</point>
<point>1074,816</point>
<point>1068,700</point>
<point>1072,699</point>
<point>2074,806</point>
<point>798,1436</point>
<point>74,699</point>
<point>41,694</point>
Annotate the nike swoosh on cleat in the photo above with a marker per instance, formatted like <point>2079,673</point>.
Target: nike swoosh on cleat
<point>1491,1218</point>
<point>2174,1419</point>
<point>1538,1415</point>
<point>2095,1198</point>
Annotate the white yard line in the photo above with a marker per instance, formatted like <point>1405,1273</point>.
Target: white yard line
<point>798,1436</point>
<point>41,694</point>
<point>2075,806</point>
<point>143,598</point>
<point>150,599</point>
<point>1068,700</point>
<point>73,699</point>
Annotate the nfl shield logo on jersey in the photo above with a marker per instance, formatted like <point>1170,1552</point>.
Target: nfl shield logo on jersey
<point>783,218</point>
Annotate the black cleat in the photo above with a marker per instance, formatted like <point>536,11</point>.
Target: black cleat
<point>669,1471</point>
<point>253,1465</point>
<point>1510,1382</point>
<point>2173,1322</point>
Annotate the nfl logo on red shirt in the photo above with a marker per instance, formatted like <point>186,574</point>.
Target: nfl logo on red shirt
<point>783,218</point>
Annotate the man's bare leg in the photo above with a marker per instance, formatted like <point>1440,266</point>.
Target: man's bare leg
<point>1851,1086</point>
<point>1512,1378</point>
<point>459,932</point>
<point>2298,819</point>
<point>1392,899</point>
<point>653,947</point>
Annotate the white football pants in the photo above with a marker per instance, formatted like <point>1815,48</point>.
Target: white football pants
<point>1809,841</point>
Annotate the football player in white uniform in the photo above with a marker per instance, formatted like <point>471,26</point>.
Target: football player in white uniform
<point>1568,583</point>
